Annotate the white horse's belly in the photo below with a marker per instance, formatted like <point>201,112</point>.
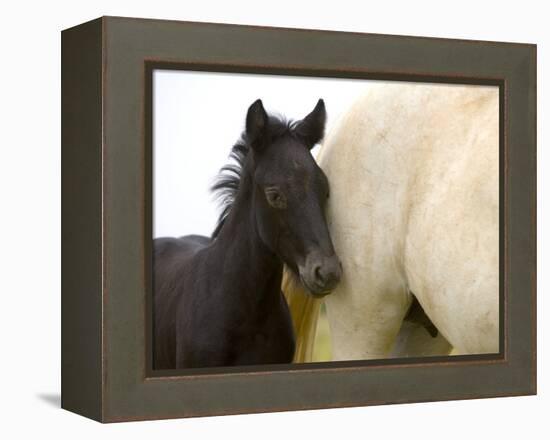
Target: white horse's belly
<point>414,206</point>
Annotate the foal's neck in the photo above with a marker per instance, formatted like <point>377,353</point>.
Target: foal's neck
<point>248,262</point>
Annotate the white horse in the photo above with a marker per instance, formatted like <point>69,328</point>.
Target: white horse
<point>413,210</point>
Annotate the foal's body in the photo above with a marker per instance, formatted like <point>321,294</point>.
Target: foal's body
<point>218,301</point>
<point>237,305</point>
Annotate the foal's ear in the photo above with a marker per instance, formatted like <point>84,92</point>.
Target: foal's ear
<point>256,124</point>
<point>312,128</point>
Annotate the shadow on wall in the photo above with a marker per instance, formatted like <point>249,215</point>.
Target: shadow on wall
<point>52,399</point>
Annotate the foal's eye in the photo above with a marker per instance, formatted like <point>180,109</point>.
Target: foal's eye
<point>275,198</point>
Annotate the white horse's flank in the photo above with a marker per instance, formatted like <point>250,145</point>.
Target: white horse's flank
<point>413,172</point>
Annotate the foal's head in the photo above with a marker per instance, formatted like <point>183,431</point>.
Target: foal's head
<point>289,192</point>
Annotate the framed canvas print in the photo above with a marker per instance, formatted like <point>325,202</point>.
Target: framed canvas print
<point>264,219</point>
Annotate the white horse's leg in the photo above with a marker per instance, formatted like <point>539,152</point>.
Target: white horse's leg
<point>367,308</point>
<point>360,334</point>
<point>365,321</point>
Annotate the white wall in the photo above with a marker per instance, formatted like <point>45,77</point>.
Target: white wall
<point>30,220</point>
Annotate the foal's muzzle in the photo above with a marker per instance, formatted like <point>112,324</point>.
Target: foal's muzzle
<point>321,273</point>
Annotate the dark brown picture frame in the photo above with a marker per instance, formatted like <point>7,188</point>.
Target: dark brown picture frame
<point>107,67</point>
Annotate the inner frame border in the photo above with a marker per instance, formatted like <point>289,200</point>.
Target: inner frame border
<point>152,64</point>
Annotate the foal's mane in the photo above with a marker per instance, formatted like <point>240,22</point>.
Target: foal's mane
<point>227,182</point>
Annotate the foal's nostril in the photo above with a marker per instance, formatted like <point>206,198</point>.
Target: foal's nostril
<point>323,274</point>
<point>326,276</point>
<point>318,274</point>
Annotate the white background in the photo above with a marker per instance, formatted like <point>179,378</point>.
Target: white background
<point>30,220</point>
<point>198,116</point>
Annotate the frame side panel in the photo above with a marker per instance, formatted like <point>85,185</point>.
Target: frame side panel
<point>522,206</point>
<point>81,213</point>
